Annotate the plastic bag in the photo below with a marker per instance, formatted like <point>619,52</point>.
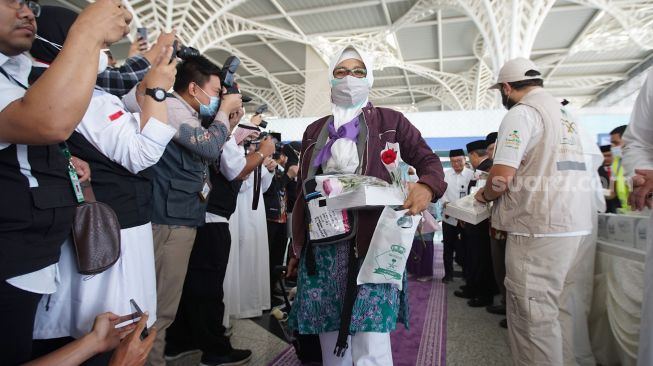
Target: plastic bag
<point>389,249</point>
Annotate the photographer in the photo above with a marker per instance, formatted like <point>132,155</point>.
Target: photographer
<point>181,184</point>
<point>198,324</point>
<point>31,233</point>
<point>276,208</point>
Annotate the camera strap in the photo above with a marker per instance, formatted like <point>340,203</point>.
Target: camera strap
<point>257,186</point>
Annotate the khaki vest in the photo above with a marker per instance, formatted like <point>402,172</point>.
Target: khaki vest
<point>551,191</point>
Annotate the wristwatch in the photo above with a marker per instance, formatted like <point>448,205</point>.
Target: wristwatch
<point>159,94</point>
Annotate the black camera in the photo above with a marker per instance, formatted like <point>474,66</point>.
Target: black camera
<point>183,52</point>
<point>228,76</point>
<point>278,146</point>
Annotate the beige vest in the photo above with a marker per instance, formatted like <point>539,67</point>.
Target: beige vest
<point>551,191</point>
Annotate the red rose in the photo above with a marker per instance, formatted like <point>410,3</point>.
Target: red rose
<point>388,156</point>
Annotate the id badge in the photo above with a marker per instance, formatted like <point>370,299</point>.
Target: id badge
<point>77,187</point>
<point>206,189</point>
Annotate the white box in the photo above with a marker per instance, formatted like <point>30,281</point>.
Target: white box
<point>367,196</point>
<point>468,209</point>
<point>621,230</point>
<point>641,231</point>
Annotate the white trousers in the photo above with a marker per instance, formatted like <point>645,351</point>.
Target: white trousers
<point>365,349</point>
<point>536,279</point>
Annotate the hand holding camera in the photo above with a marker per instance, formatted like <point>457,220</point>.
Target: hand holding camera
<point>267,146</point>
<point>270,164</point>
<point>256,119</point>
<point>231,103</point>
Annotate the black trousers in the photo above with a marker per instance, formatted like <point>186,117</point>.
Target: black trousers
<point>481,275</point>
<point>17,313</point>
<point>198,323</point>
<point>452,243</point>
<point>277,242</point>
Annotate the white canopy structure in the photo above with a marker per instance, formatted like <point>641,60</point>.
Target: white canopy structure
<point>430,55</point>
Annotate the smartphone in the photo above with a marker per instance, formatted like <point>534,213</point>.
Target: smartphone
<point>142,33</point>
<point>139,313</point>
<point>175,47</point>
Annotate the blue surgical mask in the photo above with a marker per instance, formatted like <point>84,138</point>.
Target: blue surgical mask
<point>617,151</point>
<point>208,111</point>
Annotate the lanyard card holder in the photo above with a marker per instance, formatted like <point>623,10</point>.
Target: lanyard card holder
<point>326,226</point>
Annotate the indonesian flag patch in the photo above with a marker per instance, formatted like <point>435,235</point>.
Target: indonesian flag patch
<point>115,116</point>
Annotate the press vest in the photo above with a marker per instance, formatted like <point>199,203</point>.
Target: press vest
<point>37,206</point>
<point>128,194</point>
<point>224,194</point>
<point>548,194</point>
<point>177,183</point>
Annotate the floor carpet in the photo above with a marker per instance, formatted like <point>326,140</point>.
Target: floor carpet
<point>425,343</point>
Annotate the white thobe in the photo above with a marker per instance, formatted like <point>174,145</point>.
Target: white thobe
<point>71,311</point>
<point>638,154</point>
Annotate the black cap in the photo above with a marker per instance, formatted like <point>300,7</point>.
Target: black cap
<point>456,152</point>
<point>491,138</point>
<point>605,148</point>
<point>476,145</point>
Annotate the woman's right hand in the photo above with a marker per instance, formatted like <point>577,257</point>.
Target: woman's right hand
<point>292,267</point>
<point>132,351</point>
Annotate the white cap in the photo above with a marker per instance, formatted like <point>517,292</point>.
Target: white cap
<point>515,70</point>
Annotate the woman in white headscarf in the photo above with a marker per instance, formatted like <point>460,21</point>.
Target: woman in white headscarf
<point>329,302</point>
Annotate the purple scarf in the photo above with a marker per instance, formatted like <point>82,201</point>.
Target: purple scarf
<point>349,131</point>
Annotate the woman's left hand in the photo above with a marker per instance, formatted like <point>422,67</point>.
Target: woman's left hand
<point>419,197</point>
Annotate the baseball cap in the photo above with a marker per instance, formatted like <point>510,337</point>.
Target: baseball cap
<point>517,70</point>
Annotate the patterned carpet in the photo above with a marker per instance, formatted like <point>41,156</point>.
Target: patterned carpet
<point>425,343</point>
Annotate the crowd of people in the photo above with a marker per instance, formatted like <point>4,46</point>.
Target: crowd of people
<point>211,208</point>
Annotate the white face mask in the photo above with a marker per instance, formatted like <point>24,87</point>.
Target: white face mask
<point>104,62</point>
<point>616,151</point>
<point>349,91</point>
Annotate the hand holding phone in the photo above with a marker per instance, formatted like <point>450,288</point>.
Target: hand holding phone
<point>138,313</point>
<point>142,33</point>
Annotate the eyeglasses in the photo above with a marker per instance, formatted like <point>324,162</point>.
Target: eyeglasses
<point>357,72</point>
<point>19,4</point>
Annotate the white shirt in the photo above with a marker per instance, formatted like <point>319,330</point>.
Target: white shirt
<point>19,68</point>
<point>232,162</point>
<point>638,139</point>
<point>43,281</point>
<point>521,129</point>
<point>457,185</point>
<point>117,134</point>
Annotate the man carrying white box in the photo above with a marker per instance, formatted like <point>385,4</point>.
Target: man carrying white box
<point>536,179</point>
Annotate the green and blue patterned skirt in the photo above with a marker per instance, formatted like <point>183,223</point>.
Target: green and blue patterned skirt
<point>319,299</point>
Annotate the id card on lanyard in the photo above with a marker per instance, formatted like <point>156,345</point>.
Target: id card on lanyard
<point>72,173</point>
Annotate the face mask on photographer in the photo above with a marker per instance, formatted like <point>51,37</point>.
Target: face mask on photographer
<point>349,91</point>
<point>616,151</point>
<point>208,111</point>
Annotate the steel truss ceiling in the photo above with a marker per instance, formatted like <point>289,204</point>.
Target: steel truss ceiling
<point>609,40</point>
